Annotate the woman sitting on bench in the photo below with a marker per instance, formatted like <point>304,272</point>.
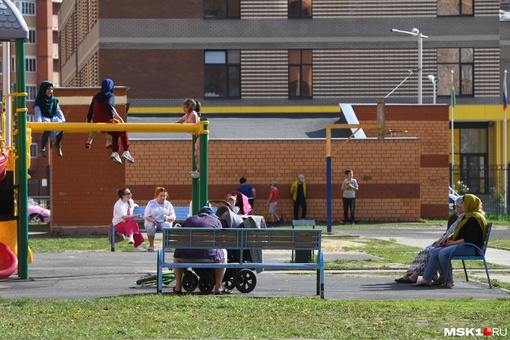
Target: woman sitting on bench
<point>159,214</point>
<point>205,219</point>
<point>123,219</point>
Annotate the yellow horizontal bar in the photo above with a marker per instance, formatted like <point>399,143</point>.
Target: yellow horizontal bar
<point>131,127</point>
<point>238,109</point>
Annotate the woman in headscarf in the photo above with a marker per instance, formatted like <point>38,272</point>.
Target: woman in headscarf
<point>102,110</point>
<point>420,261</point>
<point>471,229</point>
<point>47,110</point>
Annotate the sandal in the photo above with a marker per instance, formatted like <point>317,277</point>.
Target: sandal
<point>404,280</point>
<point>88,145</point>
<point>223,292</point>
<point>177,292</point>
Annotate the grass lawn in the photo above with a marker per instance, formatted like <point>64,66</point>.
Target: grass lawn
<point>241,317</point>
<point>235,317</point>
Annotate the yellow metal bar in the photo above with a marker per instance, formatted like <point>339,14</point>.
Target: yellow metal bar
<point>131,127</point>
<point>329,127</point>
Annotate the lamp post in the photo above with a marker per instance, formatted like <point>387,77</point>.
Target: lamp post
<point>433,80</point>
<point>416,33</point>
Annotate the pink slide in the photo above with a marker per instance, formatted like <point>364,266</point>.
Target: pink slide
<point>8,261</point>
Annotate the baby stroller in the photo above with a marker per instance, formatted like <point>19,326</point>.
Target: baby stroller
<point>244,280</point>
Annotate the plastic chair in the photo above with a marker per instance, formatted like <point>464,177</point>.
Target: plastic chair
<point>480,255</point>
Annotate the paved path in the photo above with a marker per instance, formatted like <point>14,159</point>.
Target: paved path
<point>90,275</point>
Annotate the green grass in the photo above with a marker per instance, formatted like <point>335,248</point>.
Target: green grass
<point>235,317</point>
<point>207,317</point>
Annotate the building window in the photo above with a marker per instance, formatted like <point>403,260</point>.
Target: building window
<point>300,8</point>
<point>461,61</point>
<point>33,150</point>
<point>222,74</point>
<point>31,65</point>
<point>26,7</point>
<point>31,37</point>
<point>222,9</point>
<point>31,92</point>
<point>473,156</point>
<point>300,73</point>
<point>454,7</point>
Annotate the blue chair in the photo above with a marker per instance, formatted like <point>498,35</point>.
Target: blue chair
<point>480,255</point>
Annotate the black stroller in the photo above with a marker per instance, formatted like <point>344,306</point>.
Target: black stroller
<point>244,280</point>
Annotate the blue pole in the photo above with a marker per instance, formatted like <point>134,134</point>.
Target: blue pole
<point>329,199</point>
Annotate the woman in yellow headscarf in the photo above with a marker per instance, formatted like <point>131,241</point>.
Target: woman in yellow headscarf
<point>472,229</point>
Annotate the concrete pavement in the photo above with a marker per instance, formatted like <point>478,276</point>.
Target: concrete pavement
<point>91,275</point>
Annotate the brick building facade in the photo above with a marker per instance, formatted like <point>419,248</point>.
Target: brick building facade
<point>401,178</point>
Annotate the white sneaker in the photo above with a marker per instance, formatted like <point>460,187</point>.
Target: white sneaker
<point>130,239</point>
<point>140,249</point>
<point>194,174</point>
<point>115,157</point>
<point>128,157</point>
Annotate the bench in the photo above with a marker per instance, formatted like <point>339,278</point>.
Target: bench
<point>243,239</point>
<point>181,214</point>
<point>480,255</point>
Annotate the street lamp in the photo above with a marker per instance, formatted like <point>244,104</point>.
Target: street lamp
<point>416,33</point>
<point>433,80</point>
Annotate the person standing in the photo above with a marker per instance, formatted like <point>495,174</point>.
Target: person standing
<point>274,197</point>
<point>298,193</point>
<point>247,190</point>
<point>349,188</point>
<point>47,110</point>
<point>102,110</point>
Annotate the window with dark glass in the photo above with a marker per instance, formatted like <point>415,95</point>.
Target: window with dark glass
<point>300,74</point>
<point>461,61</point>
<point>222,9</point>
<point>222,74</point>
<point>300,8</point>
<point>471,148</point>
<point>454,7</point>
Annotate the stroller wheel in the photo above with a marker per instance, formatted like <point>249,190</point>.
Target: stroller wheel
<point>246,281</point>
<point>229,280</point>
<point>189,280</point>
<point>206,282</point>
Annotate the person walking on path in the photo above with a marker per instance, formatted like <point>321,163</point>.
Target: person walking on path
<point>298,193</point>
<point>274,197</point>
<point>349,188</point>
<point>47,110</point>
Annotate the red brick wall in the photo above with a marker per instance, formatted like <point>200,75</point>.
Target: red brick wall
<point>401,179</point>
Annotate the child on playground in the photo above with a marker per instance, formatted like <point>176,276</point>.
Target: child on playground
<point>191,109</point>
<point>274,197</point>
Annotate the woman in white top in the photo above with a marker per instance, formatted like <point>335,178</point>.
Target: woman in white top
<point>123,219</point>
<point>159,214</point>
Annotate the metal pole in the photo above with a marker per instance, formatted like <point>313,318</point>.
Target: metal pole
<point>420,71</point>
<point>504,145</point>
<point>7,90</point>
<point>453,132</point>
<point>204,163</point>
<point>21,165</point>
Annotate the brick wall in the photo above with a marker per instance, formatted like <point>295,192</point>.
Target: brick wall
<point>402,178</point>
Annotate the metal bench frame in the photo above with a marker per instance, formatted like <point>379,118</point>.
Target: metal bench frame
<point>243,239</point>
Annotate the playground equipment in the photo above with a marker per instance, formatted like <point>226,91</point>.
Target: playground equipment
<point>8,261</point>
